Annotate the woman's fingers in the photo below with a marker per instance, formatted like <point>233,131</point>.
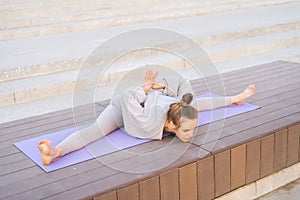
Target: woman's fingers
<point>147,86</point>
<point>150,80</point>
<point>154,76</point>
<point>157,86</point>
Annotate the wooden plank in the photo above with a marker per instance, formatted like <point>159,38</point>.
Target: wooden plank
<point>21,122</point>
<point>293,145</point>
<point>14,167</point>
<point>236,120</point>
<point>262,69</point>
<point>37,182</point>
<point>129,193</point>
<point>235,134</point>
<point>169,186</point>
<point>8,150</point>
<point>256,70</point>
<point>248,135</point>
<point>177,152</point>
<point>27,130</point>
<point>266,84</point>
<point>280,150</point>
<point>10,183</point>
<point>108,196</point>
<point>206,178</point>
<point>253,161</point>
<point>268,107</point>
<point>12,158</point>
<point>53,117</point>
<point>93,188</point>
<point>35,179</point>
<point>273,65</point>
<point>222,173</point>
<point>149,189</point>
<point>276,95</point>
<point>188,181</point>
<point>238,167</point>
<point>267,156</point>
<point>242,81</point>
<point>273,88</point>
<point>35,132</point>
<point>192,154</point>
<point>249,74</point>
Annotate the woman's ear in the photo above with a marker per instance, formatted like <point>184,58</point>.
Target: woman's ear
<point>172,125</point>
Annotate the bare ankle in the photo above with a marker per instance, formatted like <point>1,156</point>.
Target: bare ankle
<point>233,100</point>
<point>56,152</point>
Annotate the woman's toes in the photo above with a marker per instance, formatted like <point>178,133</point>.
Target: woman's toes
<point>252,87</point>
<point>45,150</point>
<point>250,91</point>
<point>44,147</point>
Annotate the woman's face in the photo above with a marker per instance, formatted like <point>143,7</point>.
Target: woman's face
<point>186,129</point>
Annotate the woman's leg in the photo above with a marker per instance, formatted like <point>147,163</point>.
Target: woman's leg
<point>109,120</point>
<point>209,103</point>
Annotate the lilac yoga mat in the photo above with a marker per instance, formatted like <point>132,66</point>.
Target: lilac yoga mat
<point>115,141</point>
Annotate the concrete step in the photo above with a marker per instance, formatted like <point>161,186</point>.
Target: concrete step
<point>95,10</point>
<point>32,57</point>
<point>295,59</point>
<point>29,89</point>
<point>218,52</point>
<point>253,45</point>
<point>46,105</point>
<point>63,23</point>
<point>14,69</point>
<point>34,5</point>
<point>86,10</point>
<point>275,37</point>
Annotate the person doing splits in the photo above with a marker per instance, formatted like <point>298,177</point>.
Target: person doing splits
<point>145,112</point>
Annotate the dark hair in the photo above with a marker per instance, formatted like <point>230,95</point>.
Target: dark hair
<point>182,109</point>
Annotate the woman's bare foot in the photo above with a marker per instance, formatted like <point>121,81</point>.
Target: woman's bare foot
<point>48,153</point>
<point>240,98</point>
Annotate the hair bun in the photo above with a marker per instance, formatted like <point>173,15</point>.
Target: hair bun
<point>187,98</point>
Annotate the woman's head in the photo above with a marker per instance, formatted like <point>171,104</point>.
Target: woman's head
<point>182,118</point>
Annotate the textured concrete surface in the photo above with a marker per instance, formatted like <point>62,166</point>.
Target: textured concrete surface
<point>290,191</point>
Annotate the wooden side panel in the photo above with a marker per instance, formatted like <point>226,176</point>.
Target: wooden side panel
<point>238,166</point>
<point>253,161</point>
<point>129,193</point>
<point>206,179</point>
<point>188,181</point>
<point>149,189</point>
<point>108,196</point>
<point>293,145</point>
<point>169,187</point>
<point>280,150</point>
<point>222,173</point>
<point>267,155</point>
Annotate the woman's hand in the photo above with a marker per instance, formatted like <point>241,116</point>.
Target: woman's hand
<point>149,81</point>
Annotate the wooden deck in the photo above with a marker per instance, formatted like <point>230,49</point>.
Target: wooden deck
<point>251,146</point>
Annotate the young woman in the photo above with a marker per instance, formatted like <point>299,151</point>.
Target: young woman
<point>145,112</point>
